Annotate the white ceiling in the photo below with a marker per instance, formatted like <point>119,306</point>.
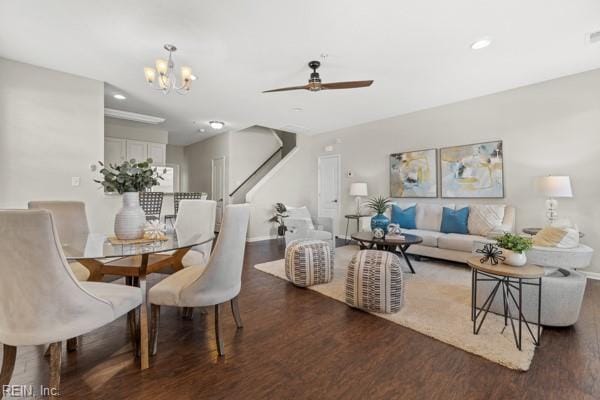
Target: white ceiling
<point>418,53</point>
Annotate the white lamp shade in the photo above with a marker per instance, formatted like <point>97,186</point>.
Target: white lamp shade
<point>555,186</point>
<point>358,189</point>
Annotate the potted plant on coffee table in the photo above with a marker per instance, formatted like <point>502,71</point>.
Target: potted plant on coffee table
<point>128,179</point>
<point>514,248</point>
<point>380,205</point>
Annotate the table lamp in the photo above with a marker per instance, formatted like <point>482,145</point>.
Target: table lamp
<point>553,187</point>
<point>358,189</point>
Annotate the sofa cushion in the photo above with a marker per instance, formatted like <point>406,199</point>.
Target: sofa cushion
<point>429,216</point>
<point>485,218</point>
<point>430,238</point>
<point>455,221</point>
<point>456,241</point>
<point>404,217</point>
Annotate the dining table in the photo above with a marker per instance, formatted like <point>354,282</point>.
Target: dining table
<point>103,255</point>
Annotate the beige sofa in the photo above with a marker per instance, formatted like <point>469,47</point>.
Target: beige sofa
<point>447,246</point>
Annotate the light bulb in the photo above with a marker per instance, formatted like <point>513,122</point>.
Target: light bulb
<point>150,74</point>
<point>162,66</point>
<point>186,74</point>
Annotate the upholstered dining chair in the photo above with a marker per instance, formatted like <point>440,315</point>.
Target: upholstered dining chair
<point>41,301</point>
<point>71,223</point>
<point>178,196</point>
<point>196,218</point>
<point>216,283</point>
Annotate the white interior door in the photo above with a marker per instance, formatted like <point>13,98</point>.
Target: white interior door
<point>218,187</point>
<point>329,186</point>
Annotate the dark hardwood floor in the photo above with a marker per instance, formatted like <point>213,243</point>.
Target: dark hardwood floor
<point>298,344</point>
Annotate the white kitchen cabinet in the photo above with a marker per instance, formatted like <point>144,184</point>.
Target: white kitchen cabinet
<point>115,150</point>
<point>158,153</point>
<point>137,150</point>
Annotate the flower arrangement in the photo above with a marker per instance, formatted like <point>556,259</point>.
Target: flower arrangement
<point>516,243</point>
<point>130,176</point>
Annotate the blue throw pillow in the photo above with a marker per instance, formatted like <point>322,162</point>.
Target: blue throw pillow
<point>455,221</point>
<point>405,218</point>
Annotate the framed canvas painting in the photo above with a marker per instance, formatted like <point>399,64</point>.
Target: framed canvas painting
<point>474,170</point>
<point>414,174</point>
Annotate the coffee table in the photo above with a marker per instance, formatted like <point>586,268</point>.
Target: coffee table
<point>391,243</point>
<point>510,280</point>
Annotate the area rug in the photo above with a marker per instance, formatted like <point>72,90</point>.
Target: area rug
<point>437,303</point>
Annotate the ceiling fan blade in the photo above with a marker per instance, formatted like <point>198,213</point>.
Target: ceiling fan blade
<point>345,85</point>
<point>286,89</point>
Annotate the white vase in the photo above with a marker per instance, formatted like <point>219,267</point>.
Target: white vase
<point>513,258</point>
<point>131,219</point>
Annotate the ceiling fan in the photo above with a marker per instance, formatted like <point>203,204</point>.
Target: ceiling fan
<point>315,84</point>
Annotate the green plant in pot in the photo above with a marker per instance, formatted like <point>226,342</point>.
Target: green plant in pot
<point>514,248</point>
<point>128,179</point>
<point>380,205</point>
<point>280,213</point>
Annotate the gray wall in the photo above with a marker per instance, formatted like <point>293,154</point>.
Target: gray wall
<point>199,156</point>
<point>51,129</point>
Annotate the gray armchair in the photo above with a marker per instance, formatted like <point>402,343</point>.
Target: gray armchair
<point>300,225</point>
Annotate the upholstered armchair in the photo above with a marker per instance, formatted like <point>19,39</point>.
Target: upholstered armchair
<point>300,225</point>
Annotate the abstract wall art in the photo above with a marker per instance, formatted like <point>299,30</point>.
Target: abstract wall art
<point>414,174</point>
<point>474,170</point>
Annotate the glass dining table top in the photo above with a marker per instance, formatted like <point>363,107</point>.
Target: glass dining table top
<point>98,245</point>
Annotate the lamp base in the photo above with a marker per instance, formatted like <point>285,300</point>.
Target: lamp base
<point>551,211</point>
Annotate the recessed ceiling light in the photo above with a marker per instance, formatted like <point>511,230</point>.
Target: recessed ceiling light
<point>201,130</point>
<point>193,77</point>
<point>297,109</point>
<point>216,125</point>
<point>481,43</point>
<point>119,96</point>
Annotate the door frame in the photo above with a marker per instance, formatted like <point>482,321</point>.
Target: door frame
<point>339,165</point>
<point>212,177</point>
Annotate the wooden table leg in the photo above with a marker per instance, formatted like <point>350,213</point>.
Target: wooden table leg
<point>145,363</point>
<point>8,366</point>
<point>95,268</point>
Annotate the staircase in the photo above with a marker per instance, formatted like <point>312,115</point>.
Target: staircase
<point>288,143</point>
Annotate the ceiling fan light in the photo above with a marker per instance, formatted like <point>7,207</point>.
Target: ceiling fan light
<point>150,74</point>
<point>216,125</point>
<point>162,66</point>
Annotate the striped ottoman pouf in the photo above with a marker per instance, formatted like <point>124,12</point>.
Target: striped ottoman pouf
<point>308,262</point>
<point>375,282</point>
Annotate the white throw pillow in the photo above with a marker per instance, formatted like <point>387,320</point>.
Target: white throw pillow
<point>485,218</point>
<point>300,213</point>
<point>429,216</point>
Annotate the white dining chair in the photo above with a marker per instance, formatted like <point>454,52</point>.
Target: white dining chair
<point>196,218</point>
<point>213,284</point>
<point>71,223</point>
<point>41,301</point>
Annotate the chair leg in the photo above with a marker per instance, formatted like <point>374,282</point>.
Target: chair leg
<point>55,362</point>
<point>235,309</point>
<point>72,344</point>
<point>154,323</point>
<point>218,332</point>
<point>8,365</point>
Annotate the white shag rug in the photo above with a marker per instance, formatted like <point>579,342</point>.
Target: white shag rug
<point>437,303</point>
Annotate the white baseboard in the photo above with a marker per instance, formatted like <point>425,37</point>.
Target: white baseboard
<point>261,238</point>
<point>590,274</point>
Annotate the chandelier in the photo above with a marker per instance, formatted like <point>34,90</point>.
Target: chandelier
<point>163,78</point>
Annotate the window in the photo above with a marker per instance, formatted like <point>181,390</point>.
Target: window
<point>170,182</point>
